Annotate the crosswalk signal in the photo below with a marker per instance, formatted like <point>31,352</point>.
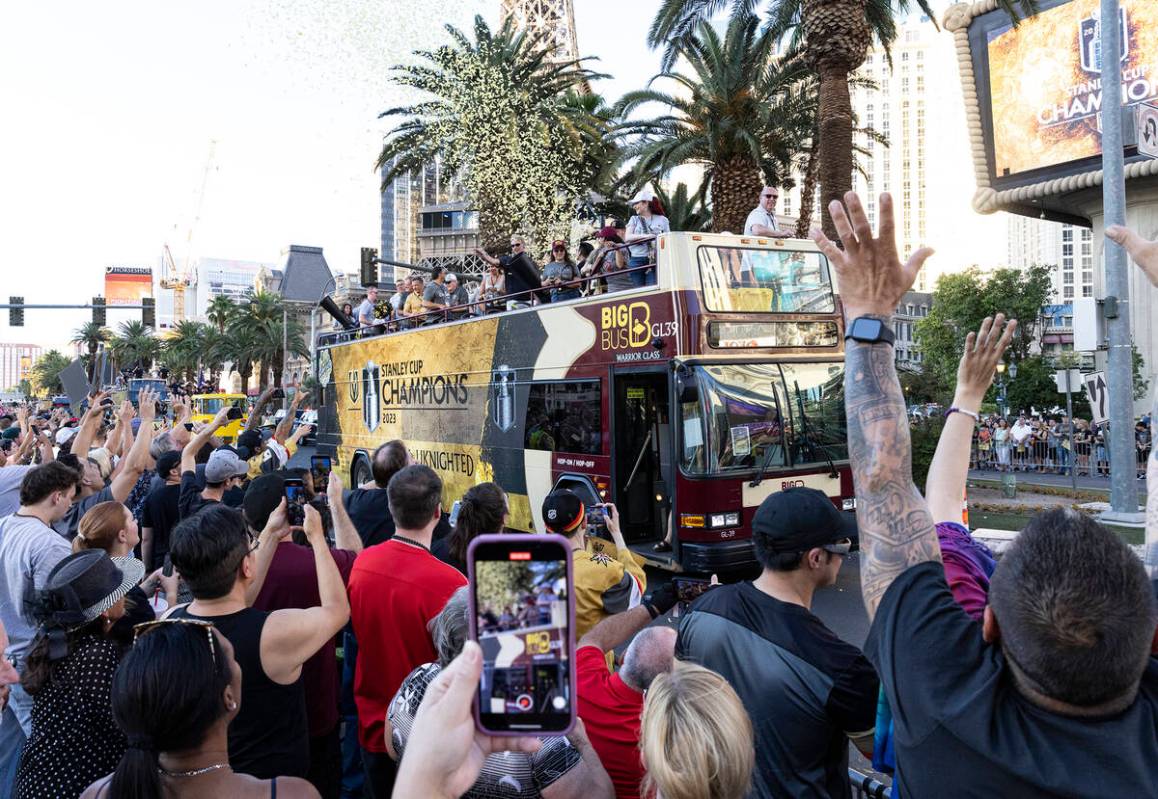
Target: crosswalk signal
<point>16,314</point>
<point>148,312</point>
<point>98,311</point>
<point>369,267</point>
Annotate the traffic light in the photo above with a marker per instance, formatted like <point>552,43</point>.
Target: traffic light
<point>148,312</point>
<point>16,315</point>
<point>98,311</point>
<point>369,267</point>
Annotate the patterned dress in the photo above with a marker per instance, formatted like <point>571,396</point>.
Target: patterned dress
<point>74,739</point>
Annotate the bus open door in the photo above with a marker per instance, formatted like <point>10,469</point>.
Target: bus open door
<point>641,456</point>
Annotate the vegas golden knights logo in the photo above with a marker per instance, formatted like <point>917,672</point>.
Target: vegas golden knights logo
<point>371,408</point>
<point>353,384</point>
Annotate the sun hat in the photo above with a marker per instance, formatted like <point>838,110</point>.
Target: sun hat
<point>86,584</point>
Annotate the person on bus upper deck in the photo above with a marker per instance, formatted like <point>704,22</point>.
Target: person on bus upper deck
<point>458,296</point>
<point>435,297</point>
<point>608,260</point>
<point>605,584</point>
<point>791,672</point>
<point>762,219</point>
<point>647,223</point>
<point>367,313</point>
<point>413,306</point>
<point>522,276</point>
<point>560,273</point>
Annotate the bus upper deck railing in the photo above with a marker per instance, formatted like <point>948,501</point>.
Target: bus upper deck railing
<point>482,306</point>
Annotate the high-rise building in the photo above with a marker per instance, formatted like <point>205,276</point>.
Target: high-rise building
<point>16,362</point>
<point>916,105</point>
<point>1067,249</point>
<point>220,277</point>
<point>553,19</point>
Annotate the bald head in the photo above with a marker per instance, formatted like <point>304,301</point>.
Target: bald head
<point>388,460</point>
<point>649,655</point>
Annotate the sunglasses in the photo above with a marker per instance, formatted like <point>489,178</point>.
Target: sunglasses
<point>516,244</point>
<point>841,547</point>
<point>771,196</point>
<point>143,629</point>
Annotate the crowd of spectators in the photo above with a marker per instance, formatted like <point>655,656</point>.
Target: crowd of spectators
<point>227,648</point>
<point>1036,443</point>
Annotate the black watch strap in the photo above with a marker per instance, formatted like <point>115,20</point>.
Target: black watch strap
<point>870,330</point>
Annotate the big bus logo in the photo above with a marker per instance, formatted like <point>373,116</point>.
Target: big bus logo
<point>625,326</point>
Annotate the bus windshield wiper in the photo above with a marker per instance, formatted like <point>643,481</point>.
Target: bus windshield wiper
<point>810,434</point>
<point>771,447</point>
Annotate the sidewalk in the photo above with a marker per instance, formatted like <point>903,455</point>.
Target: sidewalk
<point>1053,480</point>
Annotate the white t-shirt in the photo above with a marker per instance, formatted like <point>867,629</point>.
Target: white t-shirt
<point>29,552</point>
<point>759,216</point>
<point>637,225</point>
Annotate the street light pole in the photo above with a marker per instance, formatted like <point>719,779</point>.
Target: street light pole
<point>1123,488</point>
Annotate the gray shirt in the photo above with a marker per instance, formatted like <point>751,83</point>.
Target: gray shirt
<point>366,312</point>
<point>436,293</point>
<point>10,479</point>
<point>638,226</point>
<point>29,551</point>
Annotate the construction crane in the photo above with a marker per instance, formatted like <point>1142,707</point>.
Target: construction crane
<point>178,280</point>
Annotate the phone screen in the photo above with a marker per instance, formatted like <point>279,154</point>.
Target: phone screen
<point>295,501</point>
<point>234,413</point>
<point>321,465</point>
<point>688,590</point>
<point>523,620</point>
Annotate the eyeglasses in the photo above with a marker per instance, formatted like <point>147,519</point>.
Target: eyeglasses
<point>143,629</point>
<point>516,244</point>
<point>841,547</point>
<point>771,196</point>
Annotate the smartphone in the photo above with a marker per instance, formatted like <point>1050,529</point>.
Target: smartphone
<point>523,617</point>
<point>454,510</point>
<point>596,521</point>
<point>688,590</point>
<point>189,426</point>
<point>277,394</point>
<point>107,402</point>
<point>295,501</point>
<point>321,465</point>
<point>234,413</point>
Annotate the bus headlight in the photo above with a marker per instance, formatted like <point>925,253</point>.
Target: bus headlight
<point>719,520</point>
<point>848,504</point>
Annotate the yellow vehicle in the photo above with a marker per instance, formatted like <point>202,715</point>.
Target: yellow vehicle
<point>206,406</point>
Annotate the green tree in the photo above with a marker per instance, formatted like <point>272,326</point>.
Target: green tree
<point>221,310</point>
<point>733,108</point>
<point>834,36</point>
<point>684,211</point>
<point>1141,383</point>
<point>46,372</point>
<point>962,300</point>
<point>274,331</point>
<point>134,346</point>
<point>502,116</point>
<point>91,336</point>
<point>184,348</point>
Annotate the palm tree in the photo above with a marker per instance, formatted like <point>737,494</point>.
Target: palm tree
<point>274,330</point>
<point>91,336</point>
<point>684,211</point>
<point>221,308</point>
<point>184,348</point>
<point>134,346</point>
<point>46,372</point>
<point>502,116</point>
<point>737,111</point>
<point>834,36</point>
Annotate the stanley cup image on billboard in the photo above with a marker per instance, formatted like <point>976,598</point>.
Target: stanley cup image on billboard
<point>1045,82</point>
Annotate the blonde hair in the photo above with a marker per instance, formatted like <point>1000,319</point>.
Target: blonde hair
<point>696,737</point>
<point>99,527</point>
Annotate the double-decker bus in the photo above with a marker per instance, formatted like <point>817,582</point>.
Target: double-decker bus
<point>685,403</point>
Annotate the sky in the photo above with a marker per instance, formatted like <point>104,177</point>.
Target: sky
<point>111,109</point>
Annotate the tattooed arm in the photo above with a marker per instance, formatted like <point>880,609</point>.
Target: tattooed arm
<point>896,527</point>
<point>1145,254</point>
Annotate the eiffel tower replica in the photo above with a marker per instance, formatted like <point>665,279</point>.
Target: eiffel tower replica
<point>553,19</point>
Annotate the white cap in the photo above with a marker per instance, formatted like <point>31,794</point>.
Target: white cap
<point>641,196</point>
<point>451,276</point>
<point>65,434</point>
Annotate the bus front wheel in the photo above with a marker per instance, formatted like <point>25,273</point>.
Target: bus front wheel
<point>360,472</point>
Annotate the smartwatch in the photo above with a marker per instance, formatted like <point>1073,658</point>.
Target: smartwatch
<point>868,330</point>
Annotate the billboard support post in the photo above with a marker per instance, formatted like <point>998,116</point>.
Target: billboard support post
<point>1123,488</point>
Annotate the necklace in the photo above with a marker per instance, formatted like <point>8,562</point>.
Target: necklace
<point>411,541</point>
<point>193,772</point>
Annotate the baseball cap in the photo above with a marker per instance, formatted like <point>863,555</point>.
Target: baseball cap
<point>65,434</point>
<point>224,464</point>
<point>563,511</point>
<point>262,498</point>
<point>606,233</point>
<point>11,433</point>
<point>451,277</point>
<point>799,519</point>
<point>167,462</point>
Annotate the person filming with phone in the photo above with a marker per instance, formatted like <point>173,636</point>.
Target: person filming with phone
<point>605,583</point>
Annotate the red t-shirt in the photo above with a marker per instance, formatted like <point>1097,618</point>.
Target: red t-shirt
<point>395,590</point>
<point>292,582</point>
<point>610,712</point>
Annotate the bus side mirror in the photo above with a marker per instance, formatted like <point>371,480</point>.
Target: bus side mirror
<point>687,390</point>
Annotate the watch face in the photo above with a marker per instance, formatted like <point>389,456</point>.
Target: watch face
<point>865,329</point>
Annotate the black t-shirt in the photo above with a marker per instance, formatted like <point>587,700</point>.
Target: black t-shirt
<point>189,499</point>
<point>369,510</point>
<point>805,689</point>
<point>962,727</point>
<point>160,513</point>
<point>522,275</point>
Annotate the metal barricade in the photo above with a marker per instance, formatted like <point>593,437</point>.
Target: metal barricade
<point>865,787</point>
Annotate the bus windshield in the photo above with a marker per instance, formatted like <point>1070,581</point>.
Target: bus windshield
<point>210,405</point>
<point>790,415</point>
<point>751,280</point>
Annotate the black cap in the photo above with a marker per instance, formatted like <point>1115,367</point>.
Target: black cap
<point>167,463</point>
<point>262,498</point>
<point>799,519</point>
<point>563,511</point>
<point>249,440</point>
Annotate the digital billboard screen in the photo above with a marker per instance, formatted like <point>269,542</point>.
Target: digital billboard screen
<point>126,285</point>
<point>1044,80</point>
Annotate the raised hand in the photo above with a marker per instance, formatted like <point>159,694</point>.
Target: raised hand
<point>1144,253</point>
<point>871,276</point>
<point>983,350</point>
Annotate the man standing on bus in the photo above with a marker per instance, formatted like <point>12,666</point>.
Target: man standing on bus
<point>761,222</point>
<point>435,297</point>
<point>367,315</point>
